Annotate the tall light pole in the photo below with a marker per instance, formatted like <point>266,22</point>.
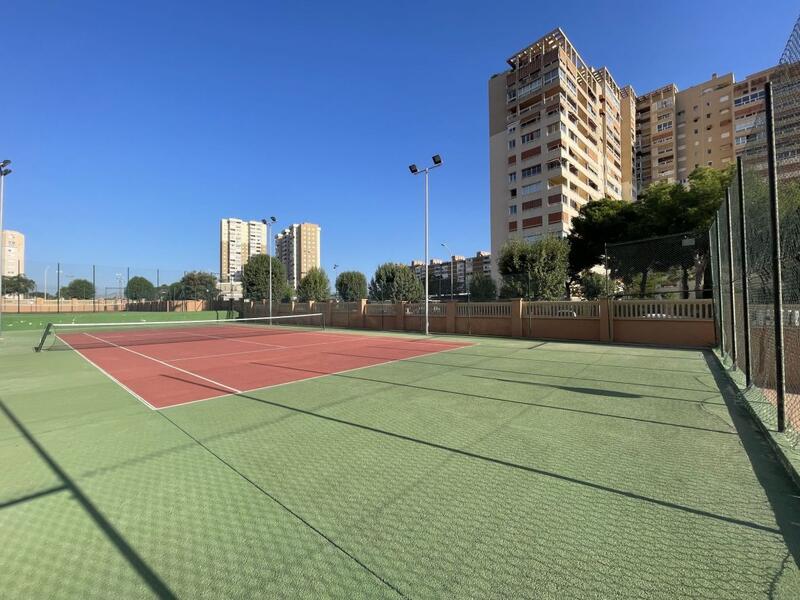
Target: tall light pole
<point>4,172</point>
<point>268,223</point>
<point>437,162</point>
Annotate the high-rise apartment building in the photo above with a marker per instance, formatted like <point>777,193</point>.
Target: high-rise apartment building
<point>298,248</point>
<point>12,245</point>
<point>439,272</point>
<point>560,135</point>
<point>239,240</point>
<point>678,131</point>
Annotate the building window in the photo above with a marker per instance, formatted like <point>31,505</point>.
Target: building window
<point>531,171</point>
<point>512,210</point>
<point>527,138</point>
<point>512,177</point>
<point>531,188</point>
<point>512,144</point>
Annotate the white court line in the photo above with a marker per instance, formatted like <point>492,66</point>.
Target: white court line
<point>111,377</point>
<point>275,385</point>
<point>161,362</point>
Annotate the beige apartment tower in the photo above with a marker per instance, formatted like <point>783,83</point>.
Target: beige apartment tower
<point>239,240</point>
<point>12,245</point>
<point>561,134</point>
<point>298,248</point>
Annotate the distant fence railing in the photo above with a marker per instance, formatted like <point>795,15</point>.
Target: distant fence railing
<point>665,322</point>
<point>664,309</point>
<point>562,310</point>
<point>484,309</point>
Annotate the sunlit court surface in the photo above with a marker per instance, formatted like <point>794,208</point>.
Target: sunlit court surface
<point>240,460</point>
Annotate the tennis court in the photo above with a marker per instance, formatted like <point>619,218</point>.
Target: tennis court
<point>439,467</point>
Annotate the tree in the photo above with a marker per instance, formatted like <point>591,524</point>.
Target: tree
<point>593,285</point>
<point>536,271</point>
<point>18,285</point>
<point>314,286</point>
<point>196,285</point>
<point>482,287</point>
<point>395,282</point>
<point>351,286</point>
<point>662,209</point>
<point>140,288</point>
<point>80,289</point>
<point>255,279</point>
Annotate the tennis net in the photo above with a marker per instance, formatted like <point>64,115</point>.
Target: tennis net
<point>79,336</point>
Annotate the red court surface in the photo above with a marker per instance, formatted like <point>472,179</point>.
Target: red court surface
<point>165,368</point>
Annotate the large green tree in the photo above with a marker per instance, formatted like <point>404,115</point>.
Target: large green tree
<point>140,288</point>
<point>196,285</point>
<point>534,270</point>
<point>482,287</point>
<point>395,282</point>
<point>314,286</point>
<point>351,286</point>
<point>80,289</point>
<point>255,279</point>
<point>662,209</point>
<point>18,285</point>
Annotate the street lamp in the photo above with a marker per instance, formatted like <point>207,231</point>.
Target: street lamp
<point>335,266</point>
<point>4,172</point>
<point>437,162</point>
<point>269,222</point>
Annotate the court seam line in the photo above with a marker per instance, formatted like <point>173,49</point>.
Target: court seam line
<point>110,376</point>
<point>161,362</point>
<point>275,385</point>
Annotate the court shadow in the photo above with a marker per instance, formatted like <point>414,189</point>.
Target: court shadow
<point>782,493</point>
<point>567,388</point>
<point>520,467</point>
<point>496,399</point>
<point>137,563</point>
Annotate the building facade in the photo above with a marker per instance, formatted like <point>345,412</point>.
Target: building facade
<point>560,135</point>
<point>12,245</point>
<point>446,277</point>
<point>239,240</point>
<point>678,131</point>
<point>299,249</point>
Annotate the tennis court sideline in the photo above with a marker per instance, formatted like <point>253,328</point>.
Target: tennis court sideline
<point>386,467</point>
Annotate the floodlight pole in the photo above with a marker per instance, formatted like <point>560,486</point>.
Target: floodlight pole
<point>268,223</point>
<point>3,173</point>
<point>437,162</point>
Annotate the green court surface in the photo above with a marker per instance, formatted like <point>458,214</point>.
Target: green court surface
<point>504,469</point>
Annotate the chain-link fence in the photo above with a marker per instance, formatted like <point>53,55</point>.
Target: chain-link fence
<point>57,286</point>
<point>670,267</point>
<point>755,248</point>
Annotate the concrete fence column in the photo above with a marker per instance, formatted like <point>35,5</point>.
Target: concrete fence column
<point>400,315</point>
<point>362,311</point>
<point>516,317</point>
<point>605,326</point>
<point>452,309</point>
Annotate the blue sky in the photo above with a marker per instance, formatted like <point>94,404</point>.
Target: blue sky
<point>135,126</point>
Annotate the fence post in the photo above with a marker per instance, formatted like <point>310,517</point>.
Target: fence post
<point>362,311</point>
<point>720,311</point>
<point>748,361</point>
<point>452,308</point>
<point>730,274</point>
<point>516,317</point>
<point>777,279</point>
<point>94,290</point>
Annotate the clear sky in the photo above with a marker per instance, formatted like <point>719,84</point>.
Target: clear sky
<point>135,126</point>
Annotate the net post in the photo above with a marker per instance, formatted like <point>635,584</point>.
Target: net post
<point>777,282</point>
<point>322,316</point>
<point>730,275</point>
<point>40,345</point>
<point>748,360</point>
